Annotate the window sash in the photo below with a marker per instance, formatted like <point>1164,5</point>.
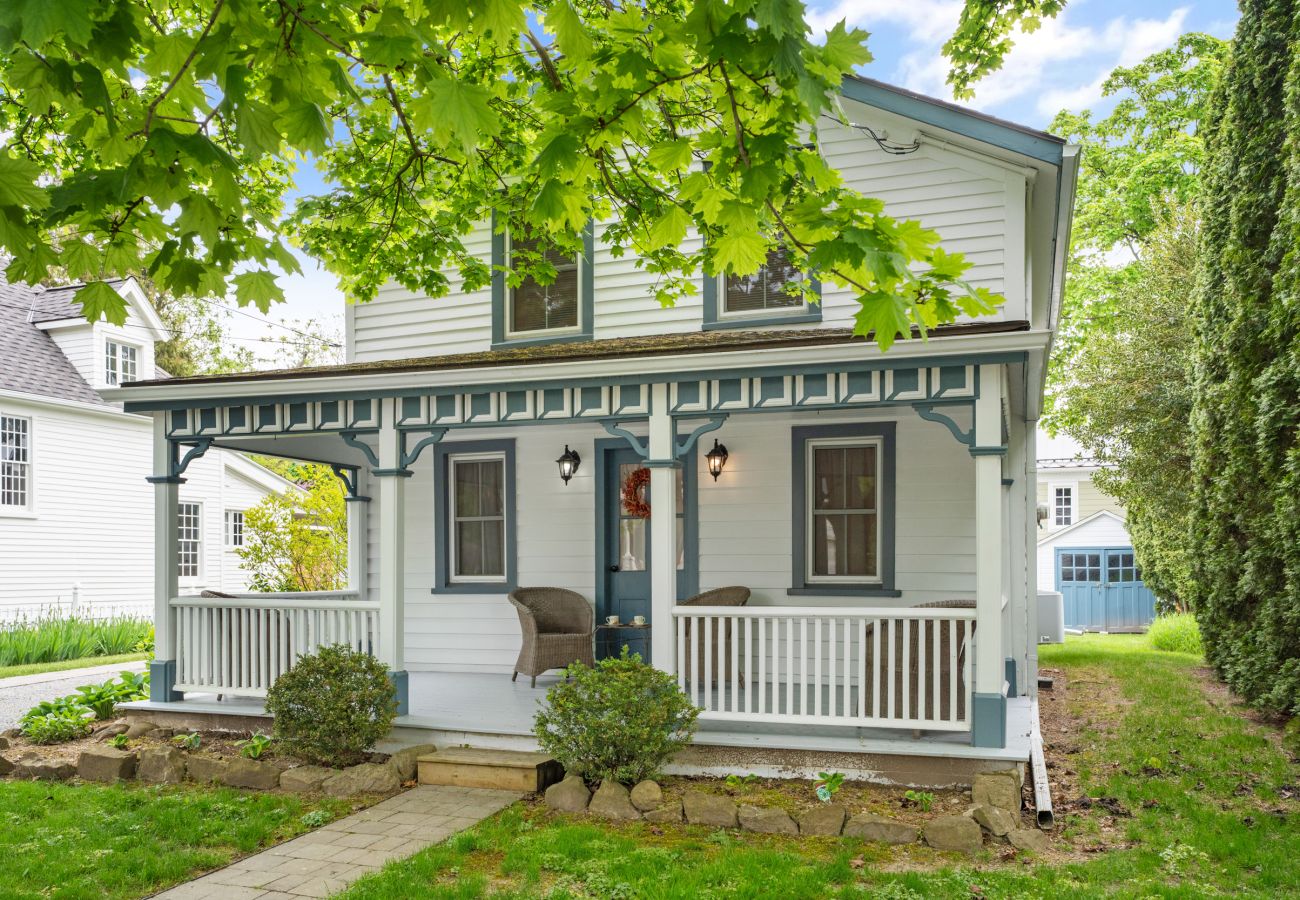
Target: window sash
<point>769,292</point>
<point>15,462</point>
<point>121,363</point>
<point>561,299</point>
<point>487,526</point>
<point>870,516</point>
<point>1062,505</point>
<point>189,540</point>
<point>234,528</point>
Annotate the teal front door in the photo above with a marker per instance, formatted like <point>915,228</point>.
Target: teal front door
<point>1103,590</point>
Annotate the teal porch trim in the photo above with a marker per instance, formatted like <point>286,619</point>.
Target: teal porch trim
<point>162,681</point>
<point>410,456</point>
<point>401,681</point>
<point>442,453</point>
<point>352,439</point>
<point>930,413</point>
<point>1011,679</point>
<point>988,725</point>
<point>501,292</point>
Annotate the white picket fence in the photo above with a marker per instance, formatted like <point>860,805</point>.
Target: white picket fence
<point>241,645</point>
<point>882,668</point>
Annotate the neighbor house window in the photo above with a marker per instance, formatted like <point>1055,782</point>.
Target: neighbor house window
<point>15,462</point>
<point>844,507</point>
<point>474,488</point>
<point>775,288</point>
<point>536,308</point>
<point>234,528</point>
<point>1062,505</point>
<point>188,535</point>
<point>121,363</point>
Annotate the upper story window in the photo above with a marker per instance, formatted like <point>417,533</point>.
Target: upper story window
<point>15,462</point>
<point>1063,505</point>
<point>776,287</point>
<point>121,363</point>
<point>234,528</point>
<point>545,308</point>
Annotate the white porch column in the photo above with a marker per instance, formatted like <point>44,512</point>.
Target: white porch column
<point>390,479</point>
<point>358,529</point>
<point>988,710</point>
<point>663,466</point>
<point>166,548</point>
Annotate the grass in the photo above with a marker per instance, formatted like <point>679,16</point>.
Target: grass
<point>64,665</point>
<point>80,841</point>
<point>1206,789</point>
<point>1176,633</point>
<point>58,638</point>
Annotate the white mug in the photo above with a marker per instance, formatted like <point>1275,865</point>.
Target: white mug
<point>638,620</point>
<point>611,620</point>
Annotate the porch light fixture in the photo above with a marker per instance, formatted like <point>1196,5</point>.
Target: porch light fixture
<point>717,458</point>
<point>568,463</point>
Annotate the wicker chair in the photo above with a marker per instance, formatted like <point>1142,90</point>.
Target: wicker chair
<point>922,700</point>
<point>558,629</point>
<point>724,596</point>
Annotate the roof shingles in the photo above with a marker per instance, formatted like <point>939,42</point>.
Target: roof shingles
<point>30,361</point>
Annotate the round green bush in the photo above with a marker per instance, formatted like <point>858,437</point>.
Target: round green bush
<point>621,720</point>
<point>1176,633</point>
<point>332,707</point>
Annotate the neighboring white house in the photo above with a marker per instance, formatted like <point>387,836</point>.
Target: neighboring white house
<point>878,506</point>
<point>76,515</point>
<point>1084,550</point>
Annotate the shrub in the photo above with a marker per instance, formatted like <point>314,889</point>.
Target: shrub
<point>332,707</point>
<point>1176,633</point>
<point>621,720</point>
<point>57,726</point>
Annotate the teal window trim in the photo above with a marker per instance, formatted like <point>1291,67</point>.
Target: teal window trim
<point>501,295</point>
<point>716,320</point>
<point>885,432</point>
<point>442,453</point>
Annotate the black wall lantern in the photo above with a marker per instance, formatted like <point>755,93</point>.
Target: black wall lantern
<point>568,463</point>
<point>717,458</point>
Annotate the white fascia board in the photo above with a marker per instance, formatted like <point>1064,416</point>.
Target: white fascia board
<point>39,401</point>
<point>1102,513</point>
<point>644,366</point>
<point>259,475</point>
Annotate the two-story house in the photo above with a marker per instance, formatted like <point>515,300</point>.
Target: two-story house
<point>76,517</point>
<point>879,507</point>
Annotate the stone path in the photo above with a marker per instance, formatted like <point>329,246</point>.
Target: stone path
<point>326,861</point>
<point>20,693</point>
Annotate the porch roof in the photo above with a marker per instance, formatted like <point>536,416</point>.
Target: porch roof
<point>606,348</point>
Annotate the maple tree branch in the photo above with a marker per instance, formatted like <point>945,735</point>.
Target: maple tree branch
<point>184,67</point>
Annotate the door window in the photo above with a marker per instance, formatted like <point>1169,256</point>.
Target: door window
<point>634,517</point>
<point>1121,568</point>
<point>1081,567</point>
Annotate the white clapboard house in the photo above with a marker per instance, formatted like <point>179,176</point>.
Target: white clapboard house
<point>880,508</point>
<point>76,516</point>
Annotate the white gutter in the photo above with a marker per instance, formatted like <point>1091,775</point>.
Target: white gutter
<point>573,370</point>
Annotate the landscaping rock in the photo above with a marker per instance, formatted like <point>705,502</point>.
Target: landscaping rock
<point>32,766</point>
<point>1028,839</point>
<point>206,769</point>
<point>668,814</point>
<point>403,761</point>
<point>304,778</point>
<point>997,822</point>
<point>6,766</point>
<point>4,743</point>
<point>647,795</point>
<point>871,827</point>
<point>612,801</point>
<point>570,795</point>
<point>709,809</point>
<point>767,821</point>
<point>1000,789</point>
<point>954,833</point>
<point>139,729</point>
<point>104,732</point>
<point>251,773</point>
<point>367,778</point>
<point>161,765</point>
<point>105,764</point>
<point>828,819</point>
<point>11,732</point>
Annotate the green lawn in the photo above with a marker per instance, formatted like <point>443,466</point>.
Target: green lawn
<point>65,664</point>
<point>90,841</point>
<point>1200,781</point>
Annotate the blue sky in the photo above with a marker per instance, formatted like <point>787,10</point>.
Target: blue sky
<point>1059,66</point>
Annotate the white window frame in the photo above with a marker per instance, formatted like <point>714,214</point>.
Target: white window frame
<point>27,509</point>
<point>199,555</point>
<point>114,350</point>
<point>1073,488</point>
<point>453,554</point>
<point>810,475</point>
<point>724,314</point>
<point>509,306</point>
<point>229,529</point>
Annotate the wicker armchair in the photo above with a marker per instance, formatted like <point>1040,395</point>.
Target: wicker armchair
<point>724,596</point>
<point>558,629</point>
<point>922,700</point>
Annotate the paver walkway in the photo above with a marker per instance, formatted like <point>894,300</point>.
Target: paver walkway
<point>328,860</point>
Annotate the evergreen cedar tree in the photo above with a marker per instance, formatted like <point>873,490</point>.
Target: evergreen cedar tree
<point>1245,539</point>
<point>160,140</point>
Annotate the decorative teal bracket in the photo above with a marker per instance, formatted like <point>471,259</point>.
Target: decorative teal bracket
<point>178,464</point>
<point>351,478</point>
<point>929,412</point>
<point>352,440</point>
<point>680,449</point>
<point>617,430</point>
<point>714,423</point>
<point>410,456</point>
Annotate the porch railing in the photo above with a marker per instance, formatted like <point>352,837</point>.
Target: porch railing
<point>877,668</point>
<point>241,645</point>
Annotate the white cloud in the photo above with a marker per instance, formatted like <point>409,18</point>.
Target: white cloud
<point>931,21</point>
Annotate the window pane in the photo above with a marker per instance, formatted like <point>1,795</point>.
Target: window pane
<point>860,548</point>
<point>467,489</point>
<point>764,289</point>
<point>828,478</point>
<point>536,307</point>
<point>491,494</point>
<point>631,544</point>
<point>469,548</point>
<point>493,535</point>
<point>860,477</point>
<point>828,533</point>
<point>15,459</point>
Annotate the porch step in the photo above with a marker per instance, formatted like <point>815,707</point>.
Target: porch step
<point>511,770</point>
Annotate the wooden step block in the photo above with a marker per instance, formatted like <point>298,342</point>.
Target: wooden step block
<point>509,770</point>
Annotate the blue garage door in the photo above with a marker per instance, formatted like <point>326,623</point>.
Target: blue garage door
<point>1103,589</point>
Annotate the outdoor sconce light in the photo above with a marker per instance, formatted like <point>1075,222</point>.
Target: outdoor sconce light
<point>568,463</point>
<point>717,458</point>
<point>1043,513</point>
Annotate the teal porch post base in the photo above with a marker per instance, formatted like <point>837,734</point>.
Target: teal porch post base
<point>1011,678</point>
<point>988,721</point>
<point>162,681</point>
<point>402,684</point>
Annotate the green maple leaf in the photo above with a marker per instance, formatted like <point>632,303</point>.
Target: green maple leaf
<point>843,50</point>
<point>99,299</point>
<point>740,250</point>
<point>257,131</point>
<point>43,19</point>
<point>670,228</point>
<point>305,126</point>
<point>258,288</point>
<point>502,19</point>
<point>459,111</point>
<point>570,33</point>
<point>670,156</point>
<point>561,205</point>
<point>17,183</point>
<point>881,314</point>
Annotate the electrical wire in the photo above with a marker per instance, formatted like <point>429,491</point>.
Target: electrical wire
<point>891,147</point>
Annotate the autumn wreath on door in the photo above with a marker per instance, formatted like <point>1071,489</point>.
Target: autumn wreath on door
<point>634,488</point>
